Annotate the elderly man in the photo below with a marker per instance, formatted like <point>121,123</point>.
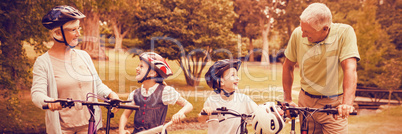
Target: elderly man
<point>326,53</point>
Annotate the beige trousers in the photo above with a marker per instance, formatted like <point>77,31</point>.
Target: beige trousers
<point>324,124</point>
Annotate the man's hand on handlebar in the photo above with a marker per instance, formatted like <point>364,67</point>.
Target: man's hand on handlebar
<point>290,103</point>
<point>344,110</point>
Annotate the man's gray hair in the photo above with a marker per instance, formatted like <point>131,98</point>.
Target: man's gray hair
<point>317,15</point>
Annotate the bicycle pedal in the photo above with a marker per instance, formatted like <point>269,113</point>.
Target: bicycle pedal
<point>111,115</point>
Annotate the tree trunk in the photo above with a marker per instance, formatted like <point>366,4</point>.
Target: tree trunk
<point>192,68</point>
<point>118,38</point>
<point>389,98</point>
<point>251,50</point>
<point>117,30</point>
<point>91,42</point>
<point>239,45</point>
<point>265,44</point>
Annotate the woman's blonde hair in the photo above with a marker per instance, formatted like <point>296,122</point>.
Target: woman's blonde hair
<point>70,24</point>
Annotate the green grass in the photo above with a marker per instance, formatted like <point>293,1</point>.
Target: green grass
<point>386,122</point>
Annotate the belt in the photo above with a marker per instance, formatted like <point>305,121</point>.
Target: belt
<point>320,96</point>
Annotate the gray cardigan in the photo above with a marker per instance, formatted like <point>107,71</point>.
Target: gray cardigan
<point>44,88</point>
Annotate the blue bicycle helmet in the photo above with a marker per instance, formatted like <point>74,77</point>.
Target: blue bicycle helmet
<point>213,76</point>
<point>59,16</point>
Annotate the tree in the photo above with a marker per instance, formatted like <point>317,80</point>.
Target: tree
<point>91,24</point>
<point>189,32</point>
<point>246,24</point>
<point>269,11</point>
<point>123,15</point>
<point>287,22</point>
<point>390,79</point>
<point>389,15</point>
<point>373,42</point>
<point>257,16</point>
<point>20,21</point>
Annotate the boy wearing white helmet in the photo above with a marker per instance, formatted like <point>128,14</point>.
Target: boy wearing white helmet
<point>154,96</point>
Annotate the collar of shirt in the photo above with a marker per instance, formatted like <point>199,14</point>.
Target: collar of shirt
<point>328,41</point>
<point>150,90</point>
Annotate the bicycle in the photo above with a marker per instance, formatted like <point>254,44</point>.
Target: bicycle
<point>224,110</point>
<point>276,122</point>
<point>108,103</point>
<point>306,112</point>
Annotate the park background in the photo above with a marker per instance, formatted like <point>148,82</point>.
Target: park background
<point>192,34</point>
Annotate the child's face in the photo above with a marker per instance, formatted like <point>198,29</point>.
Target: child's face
<point>142,69</point>
<point>230,80</point>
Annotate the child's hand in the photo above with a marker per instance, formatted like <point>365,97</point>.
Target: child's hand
<point>124,132</point>
<point>208,110</point>
<point>178,117</point>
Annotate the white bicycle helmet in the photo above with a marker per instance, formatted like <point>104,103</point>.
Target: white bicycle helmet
<point>267,120</point>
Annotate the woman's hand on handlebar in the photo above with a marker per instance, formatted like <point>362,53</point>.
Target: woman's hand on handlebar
<point>344,110</point>
<point>113,95</point>
<point>54,106</point>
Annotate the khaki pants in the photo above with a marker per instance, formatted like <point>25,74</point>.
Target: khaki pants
<point>324,124</point>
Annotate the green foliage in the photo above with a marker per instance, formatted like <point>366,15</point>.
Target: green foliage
<point>389,15</point>
<point>373,43</point>
<point>391,77</point>
<point>188,31</point>
<point>375,47</point>
<point>20,22</point>
<point>287,22</point>
<point>247,23</point>
<point>194,24</point>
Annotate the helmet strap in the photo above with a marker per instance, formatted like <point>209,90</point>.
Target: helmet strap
<point>58,40</point>
<point>226,93</point>
<point>64,38</point>
<point>218,90</point>
<point>145,76</point>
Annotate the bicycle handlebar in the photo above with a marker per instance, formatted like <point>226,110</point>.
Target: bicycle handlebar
<point>326,109</point>
<point>224,111</point>
<point>113,102</point>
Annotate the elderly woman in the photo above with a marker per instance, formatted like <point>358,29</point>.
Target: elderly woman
<point>64,72</point>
